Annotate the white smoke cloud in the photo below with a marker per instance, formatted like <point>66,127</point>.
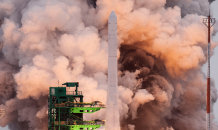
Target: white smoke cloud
<point>200,7</point>
<point>125,98</point>
<point>168,128</point>
<point>140,98</point>
<point>160,78</point>
<point>131,127</point>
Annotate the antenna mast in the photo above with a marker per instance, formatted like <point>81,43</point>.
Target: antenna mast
<point>209,22</point>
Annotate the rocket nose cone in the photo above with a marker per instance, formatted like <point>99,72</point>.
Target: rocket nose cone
<point>112,15</point>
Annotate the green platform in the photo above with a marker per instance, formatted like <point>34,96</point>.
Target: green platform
<point>66,108</point>
<point>85,127</point>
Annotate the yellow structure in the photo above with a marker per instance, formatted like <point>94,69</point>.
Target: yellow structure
<point>2,112</point>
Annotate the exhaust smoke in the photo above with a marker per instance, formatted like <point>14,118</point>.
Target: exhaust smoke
<point>162,47</point>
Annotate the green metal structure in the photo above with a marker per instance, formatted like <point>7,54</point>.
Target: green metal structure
<point>66,108</point>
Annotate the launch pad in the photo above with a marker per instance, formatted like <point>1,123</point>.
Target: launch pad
<point>66,108</point>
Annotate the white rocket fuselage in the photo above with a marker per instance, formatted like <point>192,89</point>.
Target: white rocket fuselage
<point>112,116</point>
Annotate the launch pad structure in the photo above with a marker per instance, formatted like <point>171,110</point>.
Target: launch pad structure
<point>66,108</point>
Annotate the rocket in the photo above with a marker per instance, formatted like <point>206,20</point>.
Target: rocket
<point>112,111</point>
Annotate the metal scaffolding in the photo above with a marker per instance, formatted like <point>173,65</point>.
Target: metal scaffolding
<point>66,108</point>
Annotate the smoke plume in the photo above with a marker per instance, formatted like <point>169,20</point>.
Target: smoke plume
<point>162,47</point>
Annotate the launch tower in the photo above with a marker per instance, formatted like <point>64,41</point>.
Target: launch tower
<point>66,108</point>
<point>209,22</point>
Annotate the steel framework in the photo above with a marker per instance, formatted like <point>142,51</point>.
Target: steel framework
<point>209,22</point>
<point>66,108</point>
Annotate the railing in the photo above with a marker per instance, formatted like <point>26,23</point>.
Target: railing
<point>71,93</point>
<point>74,93</point>
<point>76,122</point>
<point>81,104</point>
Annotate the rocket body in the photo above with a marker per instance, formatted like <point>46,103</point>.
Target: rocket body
<point>112,115</point>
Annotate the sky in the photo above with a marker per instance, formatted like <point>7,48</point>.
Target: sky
<point>214,62</point>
